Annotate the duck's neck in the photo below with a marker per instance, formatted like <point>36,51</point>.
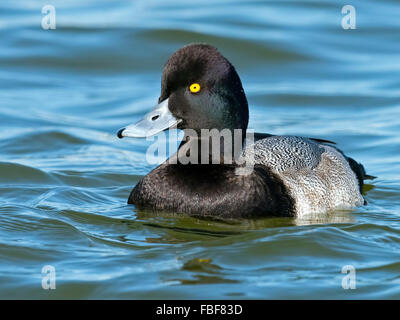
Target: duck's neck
<point>211,146</point>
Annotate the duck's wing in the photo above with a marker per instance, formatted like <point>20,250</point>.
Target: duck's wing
<point>357,167</point>
<point>259,136</point>
<point>299,154</point>
<point>318,176</point>
<point>285,153</point>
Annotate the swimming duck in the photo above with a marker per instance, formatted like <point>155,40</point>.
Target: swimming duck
<point>291,176</point>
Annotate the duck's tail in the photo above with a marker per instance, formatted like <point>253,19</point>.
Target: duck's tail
<point>359,170</point>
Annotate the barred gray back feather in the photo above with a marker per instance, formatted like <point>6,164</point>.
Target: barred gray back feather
<point>317,175</point>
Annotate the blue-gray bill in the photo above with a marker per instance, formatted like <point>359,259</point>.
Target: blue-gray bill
<point>157,120</point>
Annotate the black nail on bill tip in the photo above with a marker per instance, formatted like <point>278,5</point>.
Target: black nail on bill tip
<point>119,134</point>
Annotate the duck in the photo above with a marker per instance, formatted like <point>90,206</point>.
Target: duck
<point>290,176</point>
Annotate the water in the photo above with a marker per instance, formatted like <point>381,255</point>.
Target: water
<point>65,176</point>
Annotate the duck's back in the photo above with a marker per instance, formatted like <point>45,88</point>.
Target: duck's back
<point>318,176</point>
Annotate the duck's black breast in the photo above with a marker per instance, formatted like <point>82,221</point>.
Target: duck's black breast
<point>213,190</point>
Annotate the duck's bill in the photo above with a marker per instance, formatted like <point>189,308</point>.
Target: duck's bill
<point>157,120</point>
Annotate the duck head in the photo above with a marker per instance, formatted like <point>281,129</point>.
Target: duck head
<point>200,89</point>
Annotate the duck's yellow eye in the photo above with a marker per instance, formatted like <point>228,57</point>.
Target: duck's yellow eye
<point>194,88</point>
